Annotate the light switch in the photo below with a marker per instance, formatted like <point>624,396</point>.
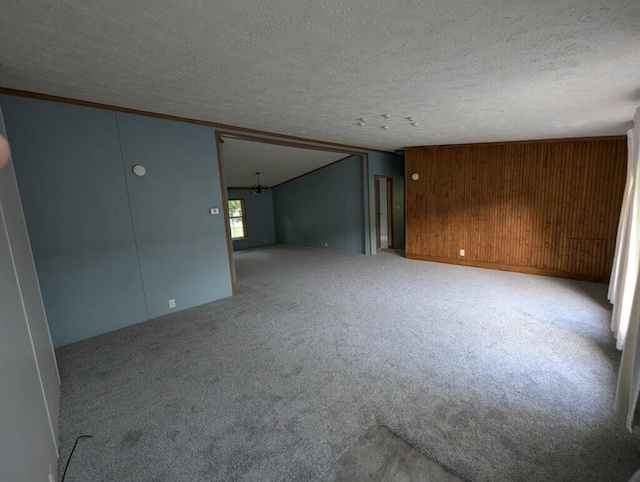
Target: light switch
<point>214,210</point>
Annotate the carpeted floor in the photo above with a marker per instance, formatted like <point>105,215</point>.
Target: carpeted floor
<point>497,376</point>
<point>381,456</point>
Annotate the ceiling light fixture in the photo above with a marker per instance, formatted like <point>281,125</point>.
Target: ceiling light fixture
<point>361,124</point>
<point>257,188</point>
<point>386,116</point>
<point>362,119</point>
<point>385,127</point>
<point>411,119</point>
<point>414,124</point>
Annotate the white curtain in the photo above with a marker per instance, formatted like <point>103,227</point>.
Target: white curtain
<point>621,274</point>
<point>624,289</point>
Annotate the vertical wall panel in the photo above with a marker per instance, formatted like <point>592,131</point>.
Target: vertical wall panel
<point>28,377</point>
<point>181,246</point>
<point>330,208</point>
<point>69,170</point>
<point>81,214</point>
<point>324,206</point>
<point>27,444</point>
<point>307,209</point>
<point>353,195</point>
<point>29,287</point>
<point>548,207</point>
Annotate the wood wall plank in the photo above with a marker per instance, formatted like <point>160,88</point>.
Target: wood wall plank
<point>544,207</point>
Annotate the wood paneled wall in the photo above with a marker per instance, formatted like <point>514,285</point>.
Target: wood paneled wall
<point>542,207</point>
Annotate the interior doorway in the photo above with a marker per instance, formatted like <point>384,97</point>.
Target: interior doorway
<point>384,211</point>
<point>253,167</point>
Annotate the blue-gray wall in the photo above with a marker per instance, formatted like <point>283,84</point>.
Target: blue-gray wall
<point>28,375</point>
<point>323,209</point>
<point>382,164</point>
<point>111,248</point>
<point>261,229</point>
<point>182,248</point>
<point>74,195</point>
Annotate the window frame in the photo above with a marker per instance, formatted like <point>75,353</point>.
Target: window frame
<point>242,217</point>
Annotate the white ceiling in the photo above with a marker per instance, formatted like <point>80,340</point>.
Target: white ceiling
<point>466,70</point>
<point>241,159</point>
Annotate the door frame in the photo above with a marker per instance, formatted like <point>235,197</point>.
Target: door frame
<point>389,181</point>
<point>283,140</point>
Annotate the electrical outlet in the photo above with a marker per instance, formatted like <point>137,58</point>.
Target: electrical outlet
<point>462,252</point>
<point>326,245</point>
<point>172,303</point>
<point>265,241</point>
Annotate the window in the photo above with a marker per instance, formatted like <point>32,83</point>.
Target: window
<point>237,219</point>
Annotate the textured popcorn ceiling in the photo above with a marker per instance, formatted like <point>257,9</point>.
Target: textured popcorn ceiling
<point>466,70</point>
<point>241,159</point>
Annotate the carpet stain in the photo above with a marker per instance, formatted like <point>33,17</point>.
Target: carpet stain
<point>295,372</point>
<point>382,456</point>
<point>131,439</point>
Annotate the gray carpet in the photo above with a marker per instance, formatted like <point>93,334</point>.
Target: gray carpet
<point>495,375</point>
